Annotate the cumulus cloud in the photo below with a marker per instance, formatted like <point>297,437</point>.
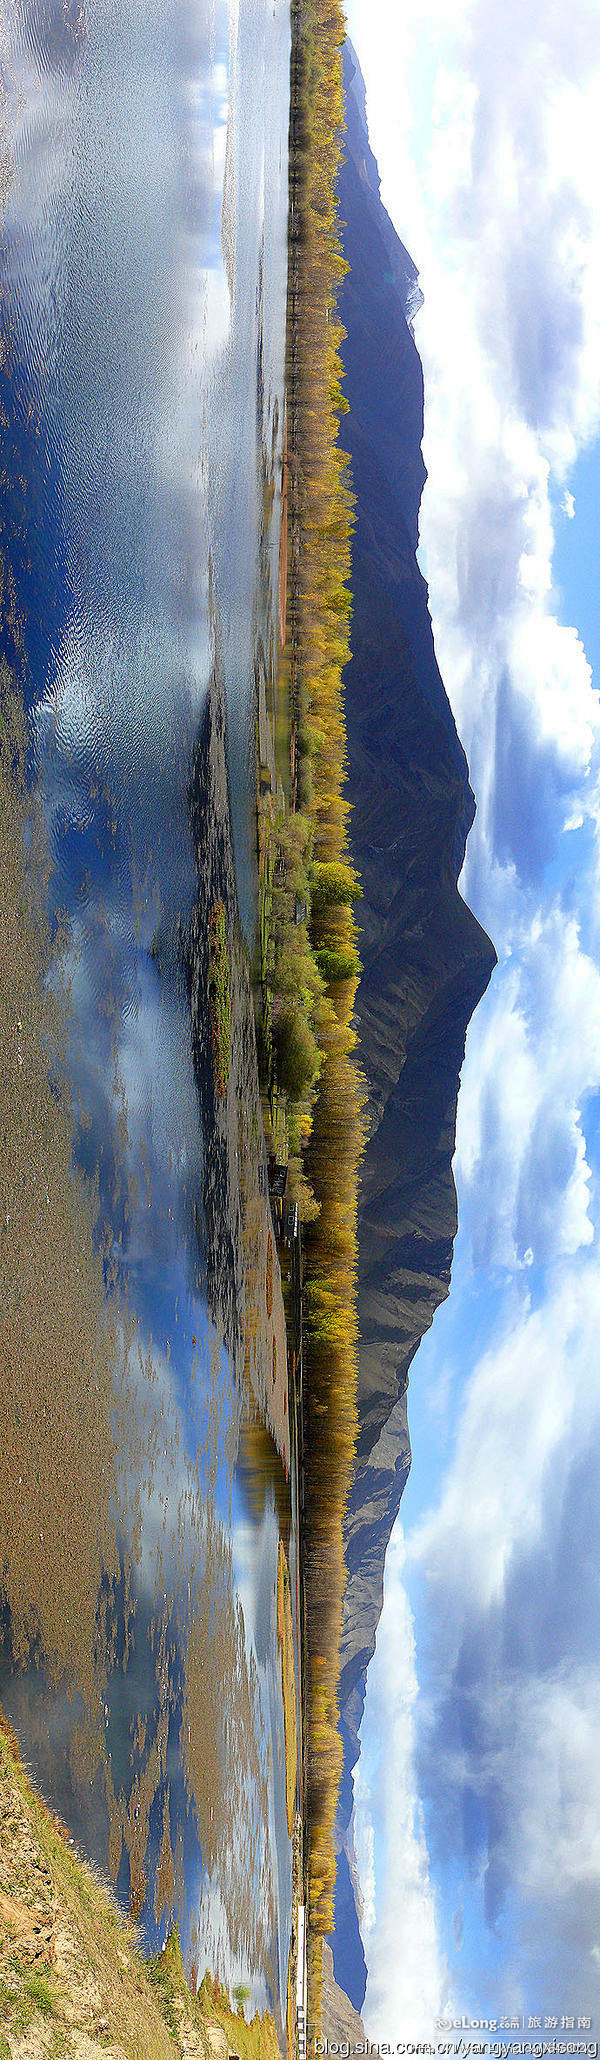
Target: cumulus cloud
<point>407,1981</point>
<point>486,1774</point>
<point>493,189</point>
<point>506,219</point>
<point>507,1753</point>
<point>497,1756</point>
<point>522,1162</point>
<point>493,1508</point>
<point>509,336</point>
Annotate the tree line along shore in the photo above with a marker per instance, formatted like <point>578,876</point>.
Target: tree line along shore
<point>309,988</point>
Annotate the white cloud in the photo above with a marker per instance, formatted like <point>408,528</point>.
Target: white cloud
<point>498,1741</point>
<point>497,199</point>
<point>407,1979</point>
<point>529,1408</point>
<point>502,214</point>
<point>548,663</point>
<point>557,1783</point>
<point>523,1175</point>
<point>506,1726</point>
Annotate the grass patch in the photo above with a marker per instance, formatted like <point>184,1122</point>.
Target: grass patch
<point>253,2039</point>
<point>166,1974</point>
<point>40,1994</point>
<point>21,2012</point>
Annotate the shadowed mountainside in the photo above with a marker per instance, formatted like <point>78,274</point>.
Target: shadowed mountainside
<point>426,961</point>
<point>340,2022</point>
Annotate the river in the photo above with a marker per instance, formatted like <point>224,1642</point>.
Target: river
<point>148,1461</point>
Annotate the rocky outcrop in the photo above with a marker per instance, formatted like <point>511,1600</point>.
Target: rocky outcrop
<point>426,960</point>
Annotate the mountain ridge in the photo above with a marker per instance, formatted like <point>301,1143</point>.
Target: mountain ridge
<point>426,961</point>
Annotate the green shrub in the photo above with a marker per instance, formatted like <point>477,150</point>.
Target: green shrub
<point>300,1191</point>
<point>297,1053</point>
<point>337,965</point>
<point>334,882</point>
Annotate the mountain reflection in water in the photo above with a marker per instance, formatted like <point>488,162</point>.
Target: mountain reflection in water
<point>143,262</point>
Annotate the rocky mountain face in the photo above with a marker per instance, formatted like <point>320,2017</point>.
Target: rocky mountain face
<point>426,960</point>
<point>340,2023</point>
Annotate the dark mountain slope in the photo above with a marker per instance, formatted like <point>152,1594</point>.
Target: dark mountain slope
<point>426,960</point>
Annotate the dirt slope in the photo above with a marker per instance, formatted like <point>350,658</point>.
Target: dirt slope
<point>72,1980</point>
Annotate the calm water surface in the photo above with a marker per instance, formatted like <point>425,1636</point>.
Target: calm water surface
<point>142,280</point>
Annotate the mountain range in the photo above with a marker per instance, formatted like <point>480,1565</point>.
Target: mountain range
<point>426,961</point>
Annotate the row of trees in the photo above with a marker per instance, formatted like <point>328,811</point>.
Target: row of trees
<point>321,523</point>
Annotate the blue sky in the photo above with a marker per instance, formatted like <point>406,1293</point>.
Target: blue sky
<point>478,1795</point>
<point>576,564</point>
